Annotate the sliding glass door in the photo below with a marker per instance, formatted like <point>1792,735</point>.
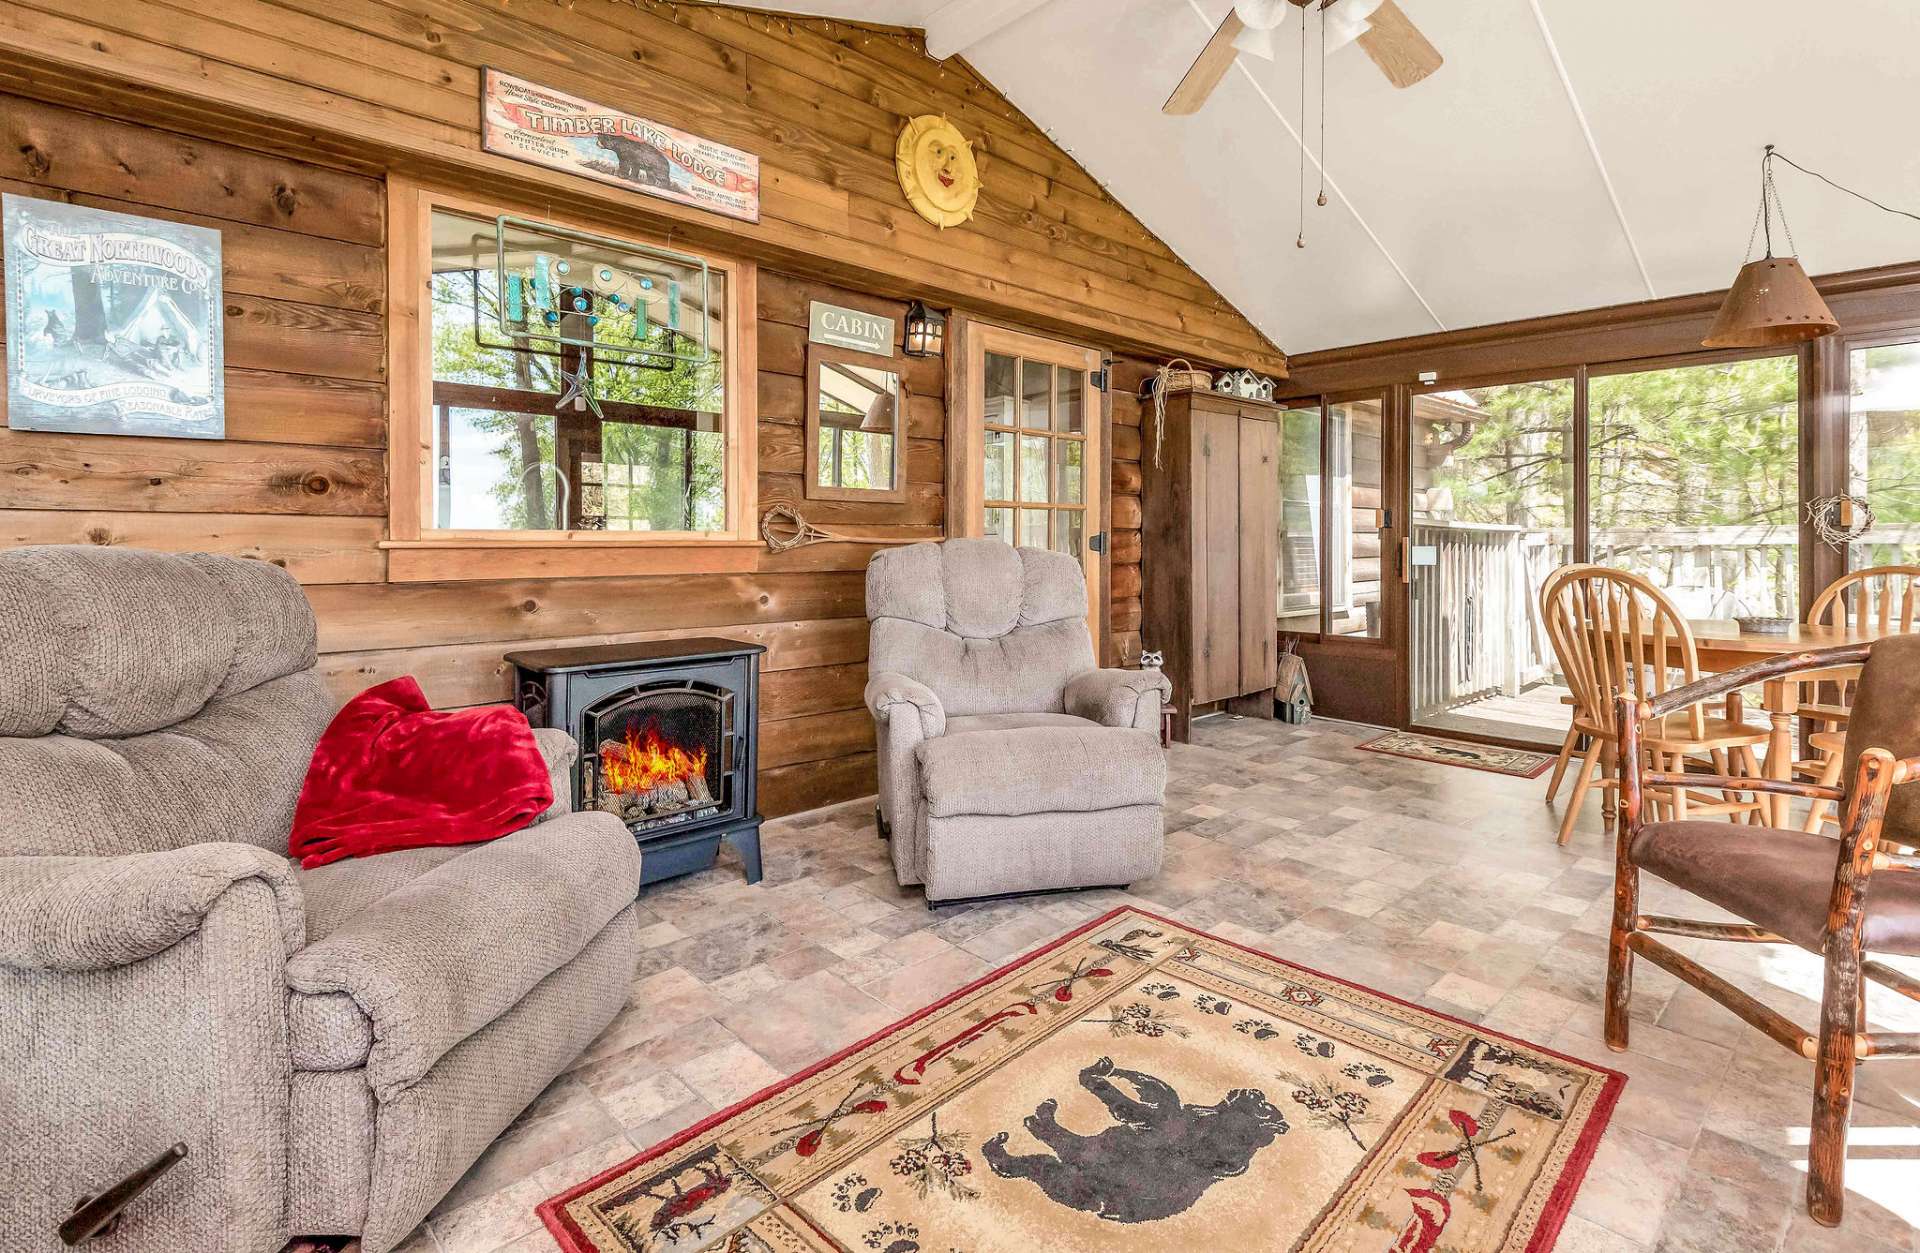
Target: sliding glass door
<point>1883,450</point>
<point>1491,475</point>
<point>1694,472</point>
<point>1695,483</point>
<point>1687,474</point>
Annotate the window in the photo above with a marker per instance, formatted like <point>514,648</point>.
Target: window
<point>1035,449</point>
<point>1356,515</point>
<point>1883,451</point>
<point>1695,483</point>
<point>1298,539</point>
<point>1332,515</point>
<point>570,385</point>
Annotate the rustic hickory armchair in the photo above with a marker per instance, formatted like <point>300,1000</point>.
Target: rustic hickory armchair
<point>333,1047</point>
<point>1008,761</point>
<point>1838,898</point>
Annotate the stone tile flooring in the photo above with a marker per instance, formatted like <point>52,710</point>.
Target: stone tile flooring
<point>1430,882</point>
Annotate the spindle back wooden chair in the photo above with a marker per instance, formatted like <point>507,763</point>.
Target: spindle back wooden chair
<point>1614,632</point>
<point>1839,899</point>
<point>1887,597</point>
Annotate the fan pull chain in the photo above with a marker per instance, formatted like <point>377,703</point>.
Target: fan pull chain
<point>1322,199</point>
<point>1300,241</point>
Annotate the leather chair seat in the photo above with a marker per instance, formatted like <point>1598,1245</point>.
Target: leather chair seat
<point>1779,880</point>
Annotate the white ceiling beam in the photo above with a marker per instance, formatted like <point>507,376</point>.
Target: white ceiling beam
<point>960,24</point>
<point>1593,146</point>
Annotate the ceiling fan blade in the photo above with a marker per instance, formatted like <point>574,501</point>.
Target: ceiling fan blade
<point>1207,69</point>
<point>1396,45</point>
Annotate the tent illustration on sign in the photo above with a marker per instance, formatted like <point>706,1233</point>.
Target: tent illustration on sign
<point>159,340</point>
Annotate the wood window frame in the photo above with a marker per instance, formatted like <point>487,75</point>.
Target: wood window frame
<point>820,355</point>
<point>1827,417</point>
<point>969,339</point>
<point>416,552</point>
<point>1392,523</point>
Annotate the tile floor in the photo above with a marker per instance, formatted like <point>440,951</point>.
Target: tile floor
<point>1431,882</point>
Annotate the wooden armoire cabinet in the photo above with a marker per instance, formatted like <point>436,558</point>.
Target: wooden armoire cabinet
<point>1209,565</point>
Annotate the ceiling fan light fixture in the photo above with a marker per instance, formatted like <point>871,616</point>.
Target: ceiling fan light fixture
<point>1772,302</point>
<point>1255,43</point>
<point>1343,26</point>
<point>1261,14</point>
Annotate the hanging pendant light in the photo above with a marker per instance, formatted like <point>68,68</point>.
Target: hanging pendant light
<point>1772,301</point>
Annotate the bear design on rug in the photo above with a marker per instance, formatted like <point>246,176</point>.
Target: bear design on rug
<point>1158,1158</point>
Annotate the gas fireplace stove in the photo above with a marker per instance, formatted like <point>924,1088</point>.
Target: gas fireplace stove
<point>667,741</point>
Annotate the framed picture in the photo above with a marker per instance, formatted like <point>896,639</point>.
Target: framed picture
<point>113,322</point>
<point>856,426</point>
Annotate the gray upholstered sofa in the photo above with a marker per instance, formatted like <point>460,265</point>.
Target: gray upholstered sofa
<point>334,1046</point>
<point>1008,761</point>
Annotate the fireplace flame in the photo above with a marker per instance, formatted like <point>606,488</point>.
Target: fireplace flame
<point>641,764</point>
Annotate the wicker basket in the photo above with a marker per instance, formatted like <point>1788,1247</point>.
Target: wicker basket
<point>1178,375</point>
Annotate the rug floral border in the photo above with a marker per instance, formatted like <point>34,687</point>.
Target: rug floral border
<point>1573,1162</point>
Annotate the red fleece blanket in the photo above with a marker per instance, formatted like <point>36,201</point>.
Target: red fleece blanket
<point>393,773</point>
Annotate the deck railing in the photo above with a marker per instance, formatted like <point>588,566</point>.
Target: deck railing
<point>1476,623</point>
<point>1476,586</point>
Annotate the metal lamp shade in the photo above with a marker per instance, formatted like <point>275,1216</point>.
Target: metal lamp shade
<point>1771,302</point>
<point>879,415</point>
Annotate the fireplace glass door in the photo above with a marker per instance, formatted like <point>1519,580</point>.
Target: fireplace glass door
<point>659,754</point>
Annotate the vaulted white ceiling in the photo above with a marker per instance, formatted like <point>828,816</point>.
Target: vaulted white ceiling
<point>1569,154</point>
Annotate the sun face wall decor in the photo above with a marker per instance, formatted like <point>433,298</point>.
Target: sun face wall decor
<point>936,169</point>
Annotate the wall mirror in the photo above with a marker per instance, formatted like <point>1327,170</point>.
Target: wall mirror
<point>856,418</point>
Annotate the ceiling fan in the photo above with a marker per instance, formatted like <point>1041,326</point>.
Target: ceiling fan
<point>1385,33</point>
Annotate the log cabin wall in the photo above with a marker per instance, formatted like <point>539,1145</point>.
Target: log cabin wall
<point>1132,445</point>
<point>276,124</point>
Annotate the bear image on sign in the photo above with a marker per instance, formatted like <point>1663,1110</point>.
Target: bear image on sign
<point>937,172</point>
<point>1158,1157</point>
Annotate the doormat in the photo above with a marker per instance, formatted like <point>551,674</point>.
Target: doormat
<point>1514,761</point>
<point>1135,1085</point>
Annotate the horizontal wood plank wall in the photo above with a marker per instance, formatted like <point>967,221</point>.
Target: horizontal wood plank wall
<point>301,478</point>
<point>172,111</point>
<point>820,101</point>
<point>319,509</point>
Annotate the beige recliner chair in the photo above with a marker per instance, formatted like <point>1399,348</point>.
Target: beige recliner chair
<point>1008,762</point>
<point>334,1046</point>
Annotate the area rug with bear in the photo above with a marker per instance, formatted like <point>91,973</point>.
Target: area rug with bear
<point>1137,1084</point>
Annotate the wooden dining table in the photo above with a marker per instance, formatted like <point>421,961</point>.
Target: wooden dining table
<point>1720,646</point>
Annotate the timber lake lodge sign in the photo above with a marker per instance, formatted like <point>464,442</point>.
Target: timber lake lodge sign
<point>849,328</point>
<point>550,127</point>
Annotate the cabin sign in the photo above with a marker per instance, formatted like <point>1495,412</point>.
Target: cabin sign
<point>849,328</point>
<point>114,322</point>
